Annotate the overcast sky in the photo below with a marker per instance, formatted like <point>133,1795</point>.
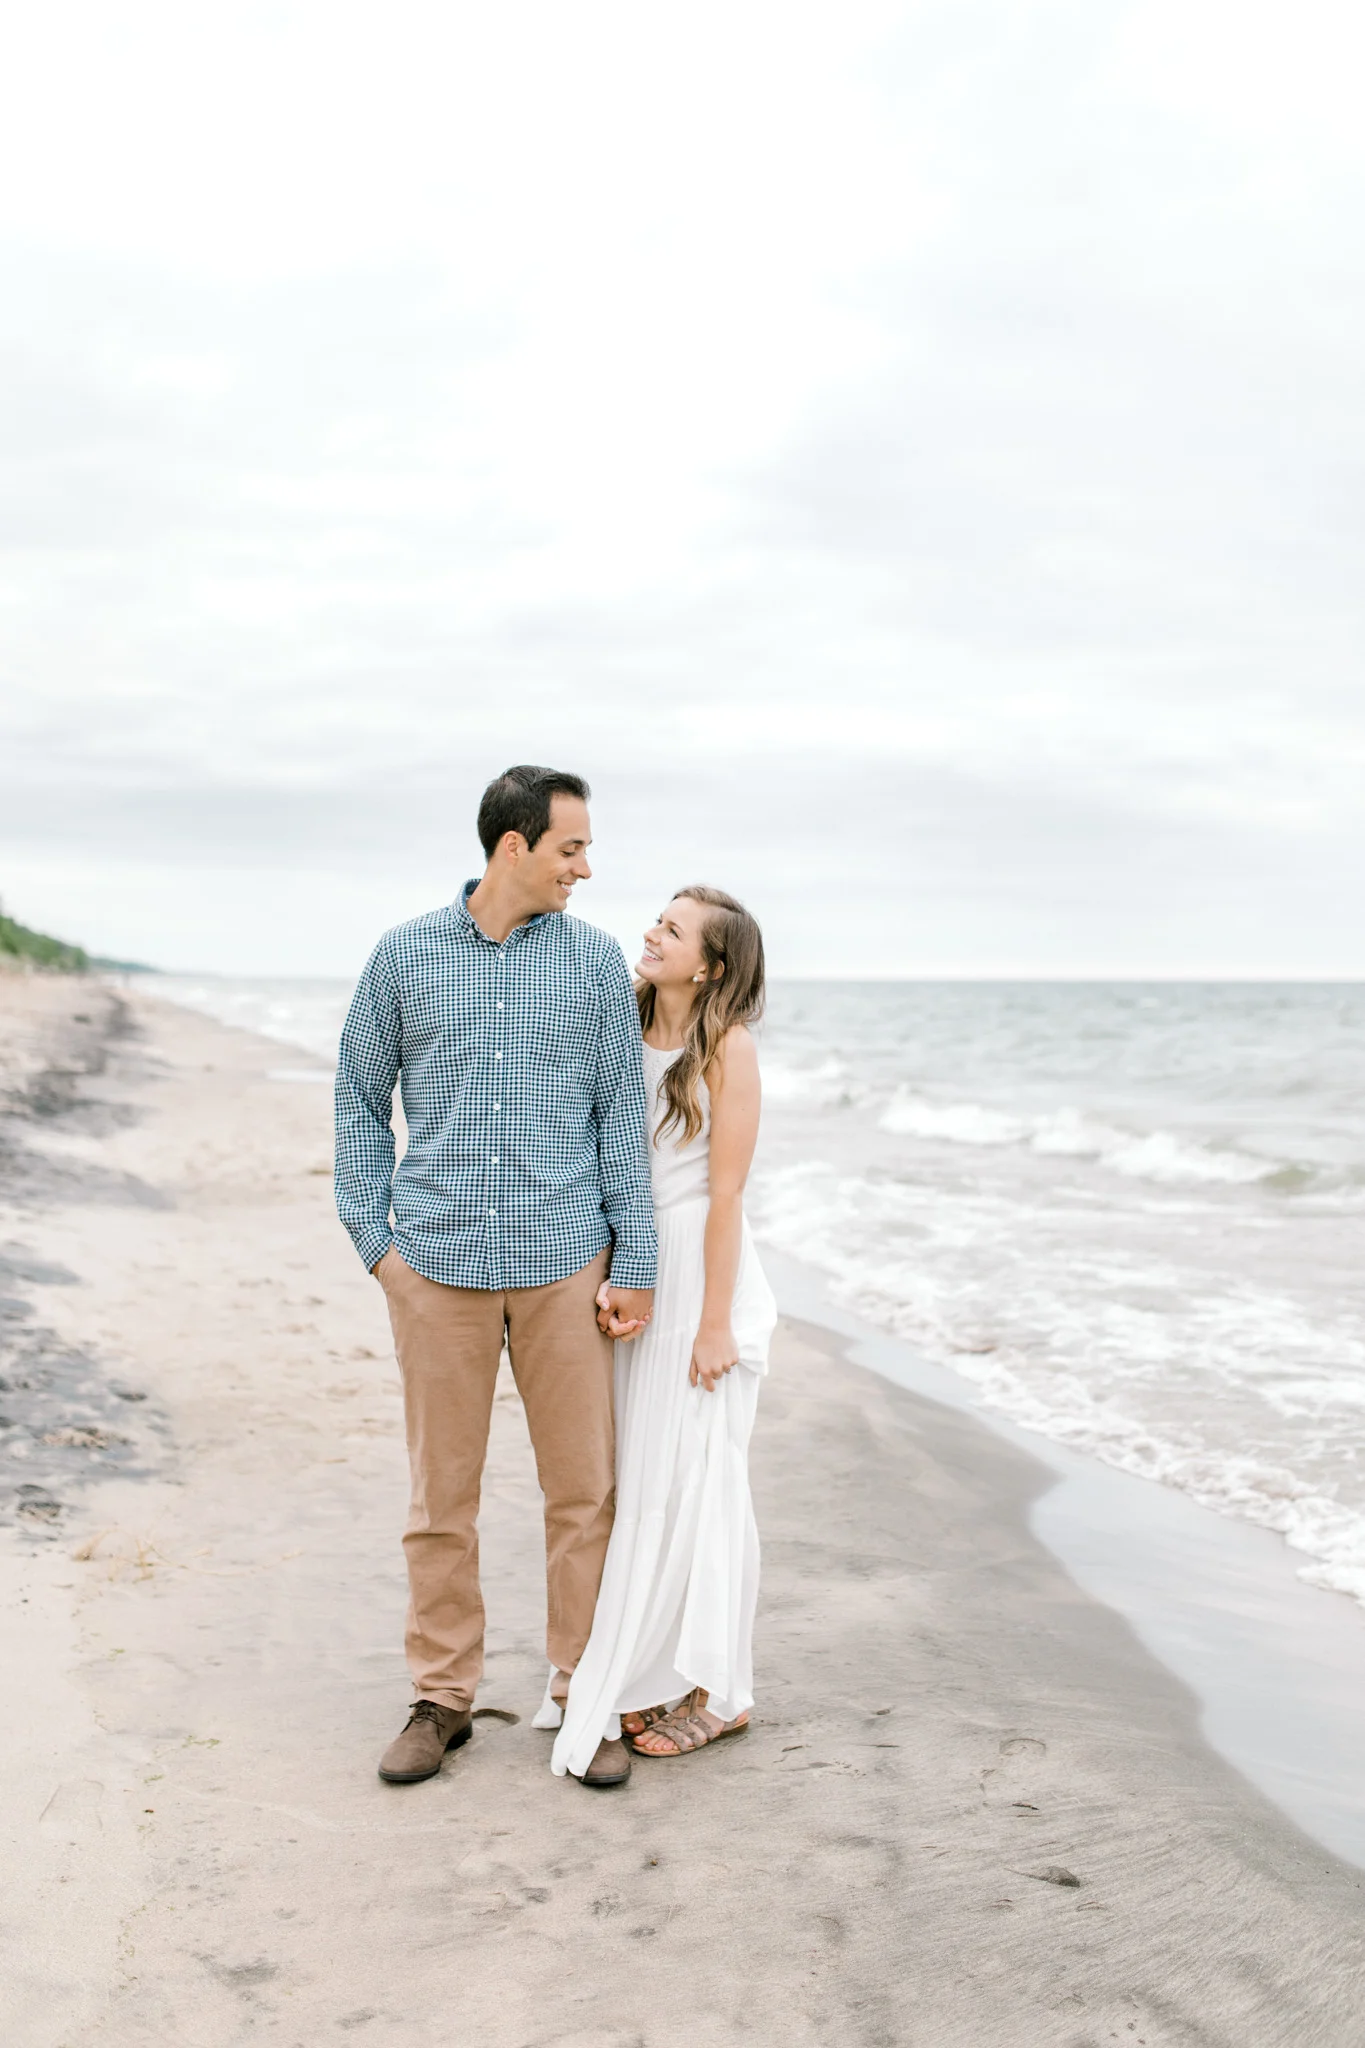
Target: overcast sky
<point>910,458</point>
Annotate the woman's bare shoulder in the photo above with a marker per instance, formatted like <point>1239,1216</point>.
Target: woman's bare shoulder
<point>737,1055</point>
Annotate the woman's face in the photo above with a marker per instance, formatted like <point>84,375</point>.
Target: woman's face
<point>673,956</point>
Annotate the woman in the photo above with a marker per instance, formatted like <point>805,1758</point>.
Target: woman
<point>675,1615</point>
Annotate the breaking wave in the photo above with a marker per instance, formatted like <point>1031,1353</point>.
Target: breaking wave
<point>1067,1133</point>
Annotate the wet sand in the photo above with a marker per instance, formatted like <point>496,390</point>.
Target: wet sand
<point>1277,1665</point>
<point>201,1661</point>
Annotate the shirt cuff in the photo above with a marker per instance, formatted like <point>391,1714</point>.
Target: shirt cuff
<point>371,1240</point>
<point>634,1265</point>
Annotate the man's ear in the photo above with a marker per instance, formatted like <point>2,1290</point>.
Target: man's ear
<point>513,845</point>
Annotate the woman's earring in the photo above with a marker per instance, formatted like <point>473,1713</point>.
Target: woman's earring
<point>699,977</point>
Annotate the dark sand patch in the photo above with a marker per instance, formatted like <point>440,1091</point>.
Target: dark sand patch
<point>66,1418</point>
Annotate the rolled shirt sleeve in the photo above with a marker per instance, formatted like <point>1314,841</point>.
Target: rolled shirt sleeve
<point>619,1107</point>
<point>368,1064</point>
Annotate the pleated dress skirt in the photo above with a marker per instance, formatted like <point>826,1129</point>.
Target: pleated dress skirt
<point>680,1585</point>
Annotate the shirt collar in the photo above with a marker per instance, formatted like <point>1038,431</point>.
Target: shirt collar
<point>469,927</point>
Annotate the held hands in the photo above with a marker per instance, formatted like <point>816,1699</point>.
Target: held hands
<point>622,1312</point>
<point>714,1353</point>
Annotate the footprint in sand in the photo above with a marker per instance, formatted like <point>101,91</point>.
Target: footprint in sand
<point>1018,1778</point>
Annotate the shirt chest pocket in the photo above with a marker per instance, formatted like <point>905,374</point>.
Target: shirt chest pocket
<point>558,1029</point>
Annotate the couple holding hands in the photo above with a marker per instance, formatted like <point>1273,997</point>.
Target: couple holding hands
<point>572,1188</point>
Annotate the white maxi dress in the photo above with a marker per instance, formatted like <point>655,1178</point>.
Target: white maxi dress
<point>680,1585</point>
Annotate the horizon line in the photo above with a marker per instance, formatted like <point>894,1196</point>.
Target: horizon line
<point>996,976</point>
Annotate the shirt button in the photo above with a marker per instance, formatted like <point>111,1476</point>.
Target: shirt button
<point>495,1159</point>
<point>492,1212</point>
<point>497,1105</point>
<point>497,1055</point>
<point>499,1005</point>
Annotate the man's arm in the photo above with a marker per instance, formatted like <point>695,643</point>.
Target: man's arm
<point>368,1064</point>
<point>619,1106</point>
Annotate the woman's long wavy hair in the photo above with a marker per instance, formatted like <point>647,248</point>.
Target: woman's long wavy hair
<point>731,942</point>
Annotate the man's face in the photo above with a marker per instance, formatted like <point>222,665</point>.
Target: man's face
<point>559,858</point>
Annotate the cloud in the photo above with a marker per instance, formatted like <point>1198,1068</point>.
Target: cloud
<point>936,429</point>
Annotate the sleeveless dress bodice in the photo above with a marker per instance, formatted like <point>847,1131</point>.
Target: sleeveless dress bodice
<point>679,1173</point>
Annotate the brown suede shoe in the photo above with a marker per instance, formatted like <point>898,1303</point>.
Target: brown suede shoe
<point>418,1751</point>
<point>610,1766</point>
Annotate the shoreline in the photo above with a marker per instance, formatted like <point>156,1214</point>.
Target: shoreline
<point>1277,1665</point>
<point>204,1663</point>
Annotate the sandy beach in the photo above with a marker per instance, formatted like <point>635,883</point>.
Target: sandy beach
<point>972,1809</point>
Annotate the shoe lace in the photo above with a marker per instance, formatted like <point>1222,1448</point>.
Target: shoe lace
<point>424,1710</point>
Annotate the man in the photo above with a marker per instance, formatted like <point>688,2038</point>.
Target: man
<point>524,1188</point>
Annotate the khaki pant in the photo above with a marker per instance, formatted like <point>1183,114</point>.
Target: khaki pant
<point>449,1341</point>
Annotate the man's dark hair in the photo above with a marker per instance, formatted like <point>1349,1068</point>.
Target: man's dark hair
<point>519,799</point>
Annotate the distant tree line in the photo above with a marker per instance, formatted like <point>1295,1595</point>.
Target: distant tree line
<point>17,942</point>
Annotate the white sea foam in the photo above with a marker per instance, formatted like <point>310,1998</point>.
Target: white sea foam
<point>818,1082</point>
<point>1067,1133</point>
<point>1161,1156</point>
<point>960,1123</point>
<point>308,1014</point>
<point>1239,1395</point>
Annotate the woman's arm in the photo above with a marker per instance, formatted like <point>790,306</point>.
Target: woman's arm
<point>734,1086</point>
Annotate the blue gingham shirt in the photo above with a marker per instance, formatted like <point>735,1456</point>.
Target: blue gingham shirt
<point>524,1099</point>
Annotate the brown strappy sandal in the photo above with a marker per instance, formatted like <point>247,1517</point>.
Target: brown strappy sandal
<point>686,1730</point>
<point>646,1716</point>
